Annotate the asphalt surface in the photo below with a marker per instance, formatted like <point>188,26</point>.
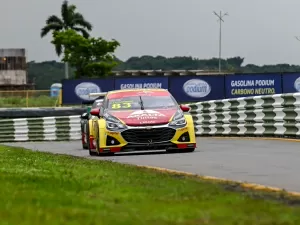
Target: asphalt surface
<point>267,162</point>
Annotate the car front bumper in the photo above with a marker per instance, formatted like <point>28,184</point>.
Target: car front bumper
<point>161,137</point>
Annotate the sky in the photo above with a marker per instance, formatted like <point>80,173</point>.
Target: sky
<point>261,31</point>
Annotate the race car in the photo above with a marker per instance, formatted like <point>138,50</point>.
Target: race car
<point>85,117</point>
<point>140,120</point>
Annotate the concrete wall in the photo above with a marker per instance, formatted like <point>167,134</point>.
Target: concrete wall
<point>13,77</point>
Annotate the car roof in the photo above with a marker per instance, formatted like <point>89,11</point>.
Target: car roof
<point>137,92</point>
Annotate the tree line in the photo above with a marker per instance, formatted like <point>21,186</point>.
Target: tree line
<point>46,73</point>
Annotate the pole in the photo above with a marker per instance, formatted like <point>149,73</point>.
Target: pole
<point>66,70</point>
<point>220,19</point>
<point>220,44</point>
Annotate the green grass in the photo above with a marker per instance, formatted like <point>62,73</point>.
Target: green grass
<point>16,102</point>
<point>41,188</point>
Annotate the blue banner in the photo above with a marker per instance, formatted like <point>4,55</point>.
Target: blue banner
<point>77,90</point>
<point>141,82</point>
<point>197,88</point>
<point>241,85</point>
<point>291,83</point>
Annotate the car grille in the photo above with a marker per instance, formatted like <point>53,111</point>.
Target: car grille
<point>143,136</point>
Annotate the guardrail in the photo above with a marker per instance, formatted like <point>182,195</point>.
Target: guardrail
<point>269,115</point>
<point>13,113</point>
<point>40,129</point>
<point>273,115</point>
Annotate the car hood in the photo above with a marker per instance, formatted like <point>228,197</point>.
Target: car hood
<point>144,117</point>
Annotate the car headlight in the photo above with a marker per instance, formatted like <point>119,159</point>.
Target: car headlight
<point>113,123</point>
<point>178,120</point>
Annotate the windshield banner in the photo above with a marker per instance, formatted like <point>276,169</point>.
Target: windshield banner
<point>76,91</point>
<point>145,82</point>
<point>197,88</point>
<point>240,85</point>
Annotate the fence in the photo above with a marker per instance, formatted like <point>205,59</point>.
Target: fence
<point>28,98</point>
<point>273,115</point>
<point>40,129</point>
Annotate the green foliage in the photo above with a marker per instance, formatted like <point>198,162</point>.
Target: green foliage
<point>70,19</point>
<point>40,101</point>
<point>179,63</point>
<point>91,57</point>
<point>44,74</point>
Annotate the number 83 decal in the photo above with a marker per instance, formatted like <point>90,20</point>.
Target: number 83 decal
<point>122,105</point>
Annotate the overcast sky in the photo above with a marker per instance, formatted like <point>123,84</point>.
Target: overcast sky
<point>262,31</point>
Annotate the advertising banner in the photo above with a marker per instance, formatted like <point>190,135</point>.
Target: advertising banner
<point>241,85</point>
<point>291,83</point>
<point>197,88</point>
<point>77,90</point>
<point>141,82</point>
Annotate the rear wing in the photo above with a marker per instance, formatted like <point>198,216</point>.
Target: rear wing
<point>87,102</point>
<point>98,94</point>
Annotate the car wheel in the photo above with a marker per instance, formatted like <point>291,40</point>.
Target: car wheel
<point>83,134</point>
<point>88,143</point>
<point>86,136</point>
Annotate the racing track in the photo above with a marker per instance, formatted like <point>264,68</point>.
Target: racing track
<point>266,162</point>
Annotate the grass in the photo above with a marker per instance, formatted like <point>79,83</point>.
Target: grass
<point>42,188</point>
<point>16,102</point>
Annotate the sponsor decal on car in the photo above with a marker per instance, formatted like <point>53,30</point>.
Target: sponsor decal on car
<point>112,133</point>
<point>147,122</point>
<point>146,115</point>
<point>183,129</point>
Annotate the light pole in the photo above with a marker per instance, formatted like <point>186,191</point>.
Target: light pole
<point>66,70</point>
<point>220,19</point>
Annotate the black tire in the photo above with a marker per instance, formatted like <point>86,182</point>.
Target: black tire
<point>86,146</point>
<point>88,143</point>
<point>83,124</point>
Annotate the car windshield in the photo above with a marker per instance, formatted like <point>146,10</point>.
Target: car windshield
<point>139,102</point>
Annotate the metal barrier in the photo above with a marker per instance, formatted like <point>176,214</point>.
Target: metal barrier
<point>62,128</point>
<point>272,115</point>
<point>29,98</point>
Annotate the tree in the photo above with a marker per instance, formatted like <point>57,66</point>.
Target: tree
<point>91,57</point>
<point>70,19</point>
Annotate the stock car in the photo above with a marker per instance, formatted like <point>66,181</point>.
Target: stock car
<point>140,120</point>
<point>85,118</point>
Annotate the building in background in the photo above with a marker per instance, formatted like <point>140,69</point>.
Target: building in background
<point>13,70</point>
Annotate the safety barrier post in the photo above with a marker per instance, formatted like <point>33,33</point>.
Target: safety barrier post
<point>60,98</point>
<point>27,99</point>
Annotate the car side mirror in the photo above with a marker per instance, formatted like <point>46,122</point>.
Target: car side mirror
<point>101,109</point>
<point>184,108</point>
<point>95,112</point>
<point>85,116</point>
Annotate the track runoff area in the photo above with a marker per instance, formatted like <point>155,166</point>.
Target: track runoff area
<point>67,185</point>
